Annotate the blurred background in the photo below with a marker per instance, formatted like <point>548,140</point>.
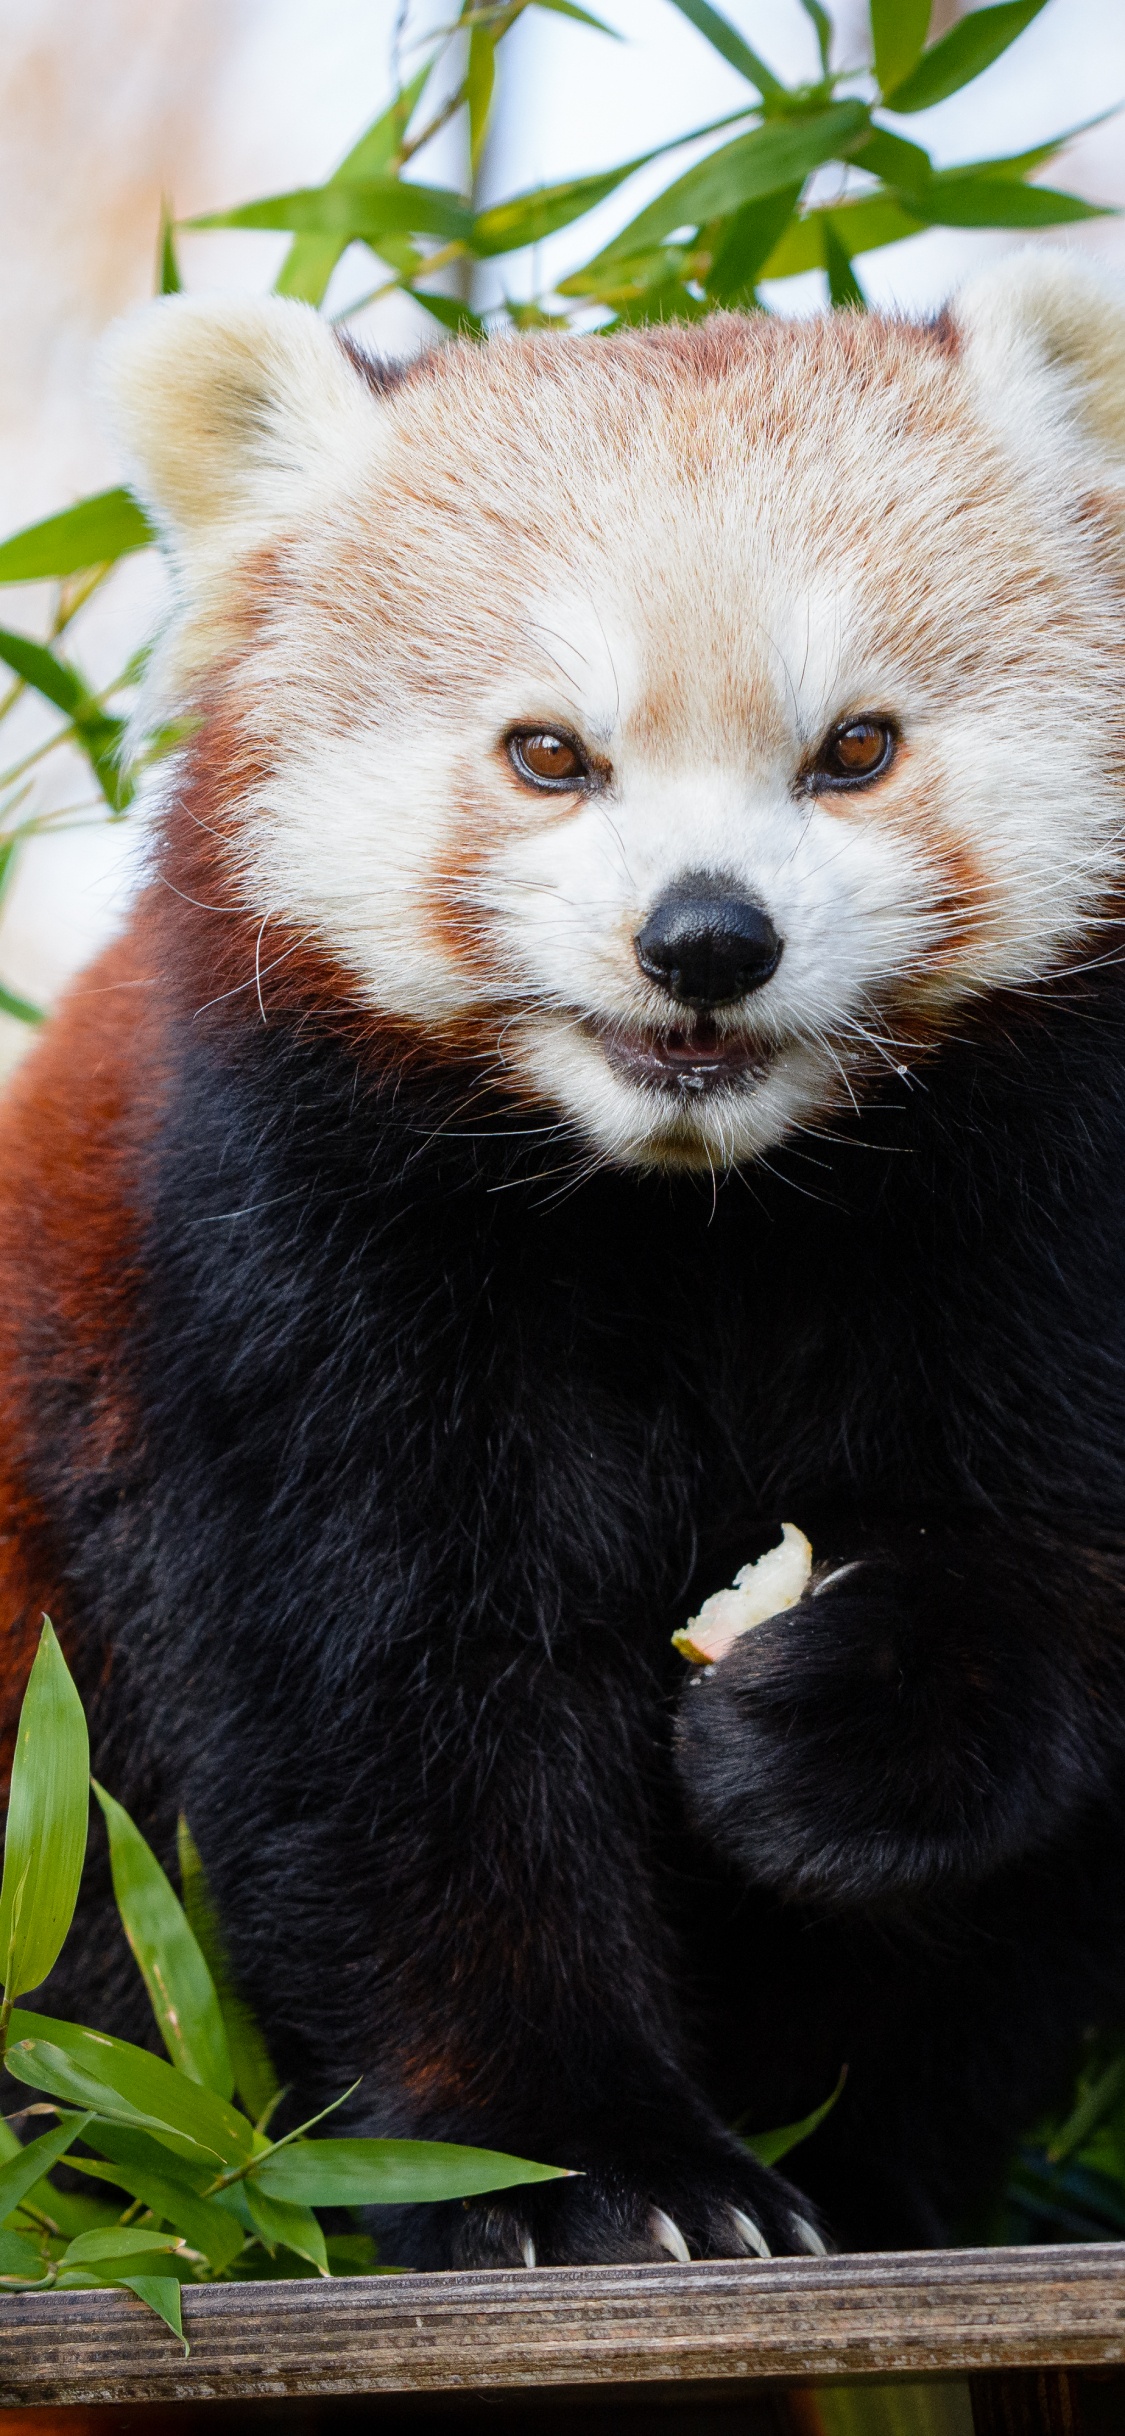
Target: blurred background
<point>208,102</point>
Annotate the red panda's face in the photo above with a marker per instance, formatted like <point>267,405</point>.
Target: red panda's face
<point>689,727</point>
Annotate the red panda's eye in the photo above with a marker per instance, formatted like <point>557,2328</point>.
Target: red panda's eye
<point>855,753</point>
<point>547,758</point>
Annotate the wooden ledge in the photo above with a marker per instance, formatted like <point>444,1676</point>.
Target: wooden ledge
<point>583,2328</point>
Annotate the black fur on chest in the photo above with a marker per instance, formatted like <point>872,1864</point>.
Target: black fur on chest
<point>434,1447</point>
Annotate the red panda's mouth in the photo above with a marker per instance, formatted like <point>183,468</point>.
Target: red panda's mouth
<point>685,1060</point>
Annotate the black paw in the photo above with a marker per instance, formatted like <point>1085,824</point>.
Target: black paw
<point>866,1742</point>
<point>619,2211</point>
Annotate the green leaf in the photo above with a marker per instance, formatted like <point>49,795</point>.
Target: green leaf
<point>1090,2111</point>
<point>180,1988</point>
<point>480,83</point>
<point>727,41</point>
<point>117,2241</point>
<point>17,2257</point>
<point>96,530</point>
<point>965,52</point>
<point>581,16</point>
<point>48,1813</point>
<point>750,238</point>
<point>282,2223</point>
<point>844,290</point>
<point>767,2147</point>
<point>310,261</point>
<point>127,2084</point>
<point>160,2293</point>
<point>822,28</point>
<point>863,226</point>
<point>207,2225</point>
<point>525,219</point>
<point>21,1008</point>
<point>254,2076</point>
<point>452,314</point>
<point>99,733</point>
<point>26,2168</point>
<point>898,31</point>
<point>367,208</point>
<point>386,2173</point>
<point>891,158</point>
<point>168,280</point>
<point>761,163</point>
<point>972,202</point>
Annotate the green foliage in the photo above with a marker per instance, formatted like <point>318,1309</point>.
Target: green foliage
<point>207,2194</point>
<point>45,1836</point>
<point>93,533</point>
<point>180,1988</point>
<point>769,2147</point>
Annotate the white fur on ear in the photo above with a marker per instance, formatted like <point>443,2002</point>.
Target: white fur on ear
<point>238,418</point>
<point>1045,344</point>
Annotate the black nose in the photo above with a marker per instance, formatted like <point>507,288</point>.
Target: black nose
<point>706,946</point>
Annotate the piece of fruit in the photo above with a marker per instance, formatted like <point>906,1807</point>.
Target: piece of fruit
<point>777,1580</point>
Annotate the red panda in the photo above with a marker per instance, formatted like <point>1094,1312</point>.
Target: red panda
<point>621,1044</point>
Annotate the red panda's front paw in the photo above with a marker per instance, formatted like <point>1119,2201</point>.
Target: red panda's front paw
<point>859,1746</point>
<point>618,2213</point>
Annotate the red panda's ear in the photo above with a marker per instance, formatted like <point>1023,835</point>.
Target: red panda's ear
<point>1044,339</point>
<point>234,415</point>
<point>239,420</point>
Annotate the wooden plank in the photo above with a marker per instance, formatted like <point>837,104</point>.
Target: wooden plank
<point>714,2324</point>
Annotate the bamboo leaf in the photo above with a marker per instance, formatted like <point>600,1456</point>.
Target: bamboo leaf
<point>385,2173</point>
<point>310,261</point>
<point>973,202</point>
<point>100,735</point>
<point>898,31</point>
<point>107,526</point>
<point>480,84</point>
<point>20,1008</point>
<point>20,2175</point>
<point>209,2227</point>
<point>160,2293</point>
<point>865,225</point>
<point>17,2258</point>
<point>822,27</point>
<point>527,218</point>
<point>180,1988</point>
<point>117,2242</point>
<point>454,316</point>
<point>965,52</point>
<point>581,16</point>
<point>367,208</point>
<point>168,280</point>
<point>767,2147</point>
<point>891,158</point>
<point>844,289</point>
<point>1090,2111</point>
<point>48,1813</point>
<point>727,41</point>
<point>761,163</point>
<point>283,2223</point>
<point>126,2083</point>
<point>752,235</point>
<point>254,2076</point>
<point>53,678</point>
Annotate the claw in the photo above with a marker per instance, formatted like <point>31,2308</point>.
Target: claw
<point>527,2251</point>
<point>840,1575</point>
<point>809,2238</point>
<point>669,2236</point>
<point>750,2234</point>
